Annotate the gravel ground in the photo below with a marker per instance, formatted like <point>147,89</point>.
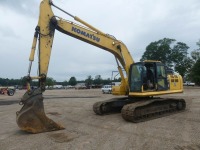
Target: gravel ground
<point>87,131</point>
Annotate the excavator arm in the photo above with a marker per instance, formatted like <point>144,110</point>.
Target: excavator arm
<point>31,117</point>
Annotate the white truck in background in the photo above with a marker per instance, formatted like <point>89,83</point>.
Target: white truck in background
<point>188,83</point>
<point>106,89</point>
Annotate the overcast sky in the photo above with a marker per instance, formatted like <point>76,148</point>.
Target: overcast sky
<point>135,22</point>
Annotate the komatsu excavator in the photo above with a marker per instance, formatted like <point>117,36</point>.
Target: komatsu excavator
<point>141,82</point>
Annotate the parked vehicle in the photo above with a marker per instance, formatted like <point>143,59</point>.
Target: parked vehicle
<point>10,91</point>
<point>107,89</point>
<point>80,86</point>
<point>188,83</point>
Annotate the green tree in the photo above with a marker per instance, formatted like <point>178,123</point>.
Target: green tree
<point>169,53</point>
<point>182,63</point>
<point>106,81</point>
<point>179,52</point>
<point>4,82</point>
<point>65,83</point>
<point>195,72</point>
<point>117,80</point>
<point>23,81</point>
<point>159,50</point>
<point>183,67</point>
<point>50,81</point>
<point>195,54</point>
<point>198,44</point>
<point>89,80</point>
<point>72,81</point>
<point>98,80</point>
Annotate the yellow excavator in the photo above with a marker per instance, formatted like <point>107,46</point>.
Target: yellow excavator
<point>141,82</point>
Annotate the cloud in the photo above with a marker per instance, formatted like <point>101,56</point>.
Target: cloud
<point>21,6</point>
<point>7,32</point>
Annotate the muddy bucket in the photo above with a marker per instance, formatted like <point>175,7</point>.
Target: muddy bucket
<point>32,118</point>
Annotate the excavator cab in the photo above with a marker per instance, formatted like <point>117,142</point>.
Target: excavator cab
<point>148,76</point>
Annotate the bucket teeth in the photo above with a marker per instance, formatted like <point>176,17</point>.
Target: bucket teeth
<point>32,118</point>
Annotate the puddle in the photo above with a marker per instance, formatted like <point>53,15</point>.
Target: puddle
<point>63,137</point>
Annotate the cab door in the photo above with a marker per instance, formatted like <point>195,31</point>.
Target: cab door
<point>136,77</point>
<point>161,77</point>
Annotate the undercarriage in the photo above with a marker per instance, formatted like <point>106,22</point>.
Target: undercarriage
<point>140,109</point>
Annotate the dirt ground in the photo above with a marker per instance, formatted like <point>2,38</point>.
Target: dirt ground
<point>87,131</point>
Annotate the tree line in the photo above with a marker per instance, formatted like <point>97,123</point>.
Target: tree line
<point>50,81</point>
<point>173,54</point>
<point>88,81</point>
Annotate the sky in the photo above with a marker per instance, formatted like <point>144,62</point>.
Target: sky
<point>135,22</point>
